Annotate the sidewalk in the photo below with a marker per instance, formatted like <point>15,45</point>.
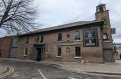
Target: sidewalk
<point>107,68</point>
<point>3,69</point>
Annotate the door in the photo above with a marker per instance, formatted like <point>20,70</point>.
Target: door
<point>39,54</point>
<point>13,53</point>
<point>120,55</point>
<point>108,56</point>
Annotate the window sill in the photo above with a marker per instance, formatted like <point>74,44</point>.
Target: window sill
<point>59,41</point>
<point>78,40</point>
<point>58,56</point>
<point>25,55</point>
<point>106,41</point>
<point>26,43</point>
<point>77,57</point>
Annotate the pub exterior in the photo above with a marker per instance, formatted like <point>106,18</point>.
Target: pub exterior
<point>83,41</point>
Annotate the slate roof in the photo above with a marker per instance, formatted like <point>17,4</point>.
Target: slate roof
<point>74,24</point>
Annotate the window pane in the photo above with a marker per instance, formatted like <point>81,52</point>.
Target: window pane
<point>105,36</point>
<point>0,53</point>
<point>25,52</point>
<point>77,35</point>
<point>90,38</point>
<point>0,41</point>
<point>37,38</point>
<point>86,34</point>
<point>59,37</point>
<point>27,40</point>
<point>94,41</point>
<point>41,38</point>
<point>77,51</point>
<point>86,41</point>
<point>93,34</point>
<point>59,51</point>
<point>90,35</point>
<point>68,37</point>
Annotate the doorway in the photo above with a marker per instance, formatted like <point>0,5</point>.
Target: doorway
<point>39,54</point>
<point>40,49</point>
<point>108,56</point>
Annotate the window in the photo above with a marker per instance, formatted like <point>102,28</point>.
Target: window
<point>25,52</point>
<point>0,53</point>
<point>41,40</point>
<point>105,36</point>
<point>77,35</point>
<point>90,37</point>
<point>59,37</point>
<point>0,41</point>
<point>102,8</point>
<point>77,52</point>
<point>27,40</point>
<point>37,38</point>
<point>68,37</point>
<point>59,51</point>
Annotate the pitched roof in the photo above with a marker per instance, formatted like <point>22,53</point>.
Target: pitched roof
<point>74,24</point>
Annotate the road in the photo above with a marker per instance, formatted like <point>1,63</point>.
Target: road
<point>30,70</point>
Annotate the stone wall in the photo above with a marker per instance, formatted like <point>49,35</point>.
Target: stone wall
<point>88,54</point>
<point>5,44</point>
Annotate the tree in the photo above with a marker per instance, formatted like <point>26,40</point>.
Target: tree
<point>17,15</point>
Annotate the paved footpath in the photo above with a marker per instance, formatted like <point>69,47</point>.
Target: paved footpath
<point>39,70</point>
<point>83,67</point>
<point>107,68</point>
<point>2,69</point>
<point>110,69</point>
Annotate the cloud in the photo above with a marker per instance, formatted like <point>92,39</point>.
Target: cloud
<point>61,11</point>
<point>55,12</point>
<point>2,33</point>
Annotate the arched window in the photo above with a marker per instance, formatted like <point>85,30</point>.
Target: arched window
<point>77,35</point>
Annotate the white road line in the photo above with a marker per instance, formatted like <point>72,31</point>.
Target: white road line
<point>72,78</point>
<point>42,74</point>
<point>7,73</point>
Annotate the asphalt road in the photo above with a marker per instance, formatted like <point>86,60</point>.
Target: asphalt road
<point>30,70</point>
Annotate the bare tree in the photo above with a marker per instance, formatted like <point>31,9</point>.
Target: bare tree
<point>17,15</point>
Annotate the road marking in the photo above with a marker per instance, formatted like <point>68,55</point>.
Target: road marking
<point>7,73</point>
<point>42,74</point>
<point>72,78</point>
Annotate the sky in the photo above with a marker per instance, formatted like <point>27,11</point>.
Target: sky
<point>57,12</point>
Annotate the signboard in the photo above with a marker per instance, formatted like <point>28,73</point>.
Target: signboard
<point>113,30</point>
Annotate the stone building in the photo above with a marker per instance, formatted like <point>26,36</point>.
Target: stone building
<point>8,46</point>
<point>84,41</point>
<point>13,47</point>
<point>5,44</point>
<point>117,50</point>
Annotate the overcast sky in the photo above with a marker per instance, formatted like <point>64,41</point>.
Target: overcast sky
<point>56,12</point>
